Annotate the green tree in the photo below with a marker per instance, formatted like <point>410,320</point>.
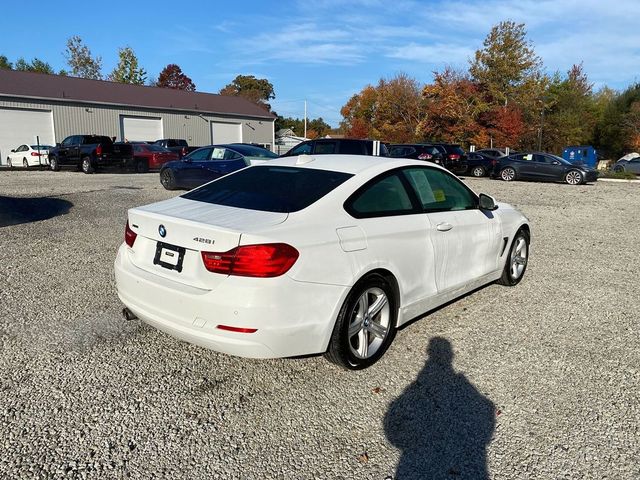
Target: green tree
<point>5,63</point>
<point>316,127</point>
<point>257,90</point>
<point>507,63</point>
<point>79,58</point>
<point>128,69</point>
<point>36,65</point>
<point>571,117</point>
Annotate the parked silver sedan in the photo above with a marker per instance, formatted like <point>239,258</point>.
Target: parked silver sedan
<point>632,165</point>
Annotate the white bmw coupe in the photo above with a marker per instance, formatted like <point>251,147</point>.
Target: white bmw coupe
<point>305,255</point>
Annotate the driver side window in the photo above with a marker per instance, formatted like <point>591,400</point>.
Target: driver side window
<point>439,191</point>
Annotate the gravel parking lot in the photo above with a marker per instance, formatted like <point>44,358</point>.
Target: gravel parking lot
<point>536,381</point>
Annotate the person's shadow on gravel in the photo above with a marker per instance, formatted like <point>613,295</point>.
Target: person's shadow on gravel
<point>441,422</point>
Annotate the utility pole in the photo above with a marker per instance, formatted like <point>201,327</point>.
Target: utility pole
<point>305,119</point>
<point>541,126</point>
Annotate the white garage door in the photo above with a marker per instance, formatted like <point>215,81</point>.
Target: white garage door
<point>18,127</point>
<point>222,132</point>
<point>145,129</point>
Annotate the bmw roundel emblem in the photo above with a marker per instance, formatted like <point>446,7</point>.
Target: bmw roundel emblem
<point>162,231</point>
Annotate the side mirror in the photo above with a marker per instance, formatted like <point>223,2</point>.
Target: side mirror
<point>13,150</point>
<point>186,159</point>
<point>555,162</point>
<point>487,202</point>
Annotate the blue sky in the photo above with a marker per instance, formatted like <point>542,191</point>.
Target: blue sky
<point>324,51</point>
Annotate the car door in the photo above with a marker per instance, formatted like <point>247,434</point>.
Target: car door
<point>18,155</point>
<point>192,166</point>
<point>548,168</point>
<point>634,165</point>
<point>63,150</point>
<point>222,161</point>
<point>393,230</point>
<point>465,239</point>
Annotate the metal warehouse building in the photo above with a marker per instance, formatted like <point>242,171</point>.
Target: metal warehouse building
<point>53,107</point>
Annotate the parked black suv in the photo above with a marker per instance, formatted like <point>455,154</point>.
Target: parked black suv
<point>349,146</point>
<point>455,159</point>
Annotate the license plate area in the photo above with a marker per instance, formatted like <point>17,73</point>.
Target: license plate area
<point>169,256</point>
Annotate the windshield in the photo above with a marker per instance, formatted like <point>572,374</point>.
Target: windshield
<point>269,188</point>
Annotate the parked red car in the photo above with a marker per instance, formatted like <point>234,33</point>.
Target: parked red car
<point>151,157</point>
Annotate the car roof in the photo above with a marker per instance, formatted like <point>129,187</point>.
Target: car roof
<point>352,164</point>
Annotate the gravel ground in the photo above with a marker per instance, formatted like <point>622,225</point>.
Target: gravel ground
<point>536,381</point>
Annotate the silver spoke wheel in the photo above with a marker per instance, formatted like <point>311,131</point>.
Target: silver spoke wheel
<point>518,258</point>
<point>508,174</point>
<point>477,172</point>
<point>574,178</point>
<point>369,323</point>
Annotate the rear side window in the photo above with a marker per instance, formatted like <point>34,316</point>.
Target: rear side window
<point>269,188</point>
<point>384,197</point>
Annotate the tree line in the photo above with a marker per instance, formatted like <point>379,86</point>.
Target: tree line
<point>503,99</point>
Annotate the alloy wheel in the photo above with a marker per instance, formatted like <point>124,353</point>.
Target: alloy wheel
<point>477,172</point>
<point>508,174</point>
<point>369,323</point>
<point>518,258</point>
<point>574,178</point>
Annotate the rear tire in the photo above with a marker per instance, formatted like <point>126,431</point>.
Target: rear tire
<point>478,171</point>
<point>366,324</point>
<point>53,164</point>
<point>517,260</point>
<point>618,169</point>
<point>86,165</point>
<point>167,179</point>
<point>508,174</point>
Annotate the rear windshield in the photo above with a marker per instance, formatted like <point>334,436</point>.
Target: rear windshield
<point>251,151</point>
<point>42,147</point>
<point>270,188</point>
<point>92,139</point>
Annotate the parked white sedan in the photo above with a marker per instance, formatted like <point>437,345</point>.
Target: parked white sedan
<point>305,255</point>
<point>29,156</point>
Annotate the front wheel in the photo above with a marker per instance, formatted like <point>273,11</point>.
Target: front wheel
<point>574,177</point>
<point>366,324</point>
<point>167,179</point>
<point>618,169</point>
<point>25,164</point>
<point>517,260</point>
<point>142,166</point>
<point>86,165</point>
<point>508,174</point>
<point>9,164</point>
<point>477,171</point>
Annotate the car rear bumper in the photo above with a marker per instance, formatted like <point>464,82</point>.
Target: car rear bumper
<point>292,318</point>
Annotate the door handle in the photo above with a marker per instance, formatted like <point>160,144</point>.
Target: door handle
<point>444,227</point>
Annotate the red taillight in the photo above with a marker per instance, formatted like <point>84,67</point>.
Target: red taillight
<point>237,329</point>
<point>454,156</point>
<point>99,150</point>
<point>129,235</point>
<point>425,156</point>
<point>35,154</point>
<point>266,260</point>
<point>494,163</point>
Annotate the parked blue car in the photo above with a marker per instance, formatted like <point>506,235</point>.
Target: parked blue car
<point>208,163</point>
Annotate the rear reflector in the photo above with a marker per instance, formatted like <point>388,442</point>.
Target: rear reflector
<point>265,260</point>
<point>454,156</point>
<point>237,329</point>
<point>99,150</point>
<point>129,235</point>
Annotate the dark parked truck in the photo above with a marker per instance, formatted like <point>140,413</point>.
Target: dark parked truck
<point>89,152</point>
<point>176,145</point>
